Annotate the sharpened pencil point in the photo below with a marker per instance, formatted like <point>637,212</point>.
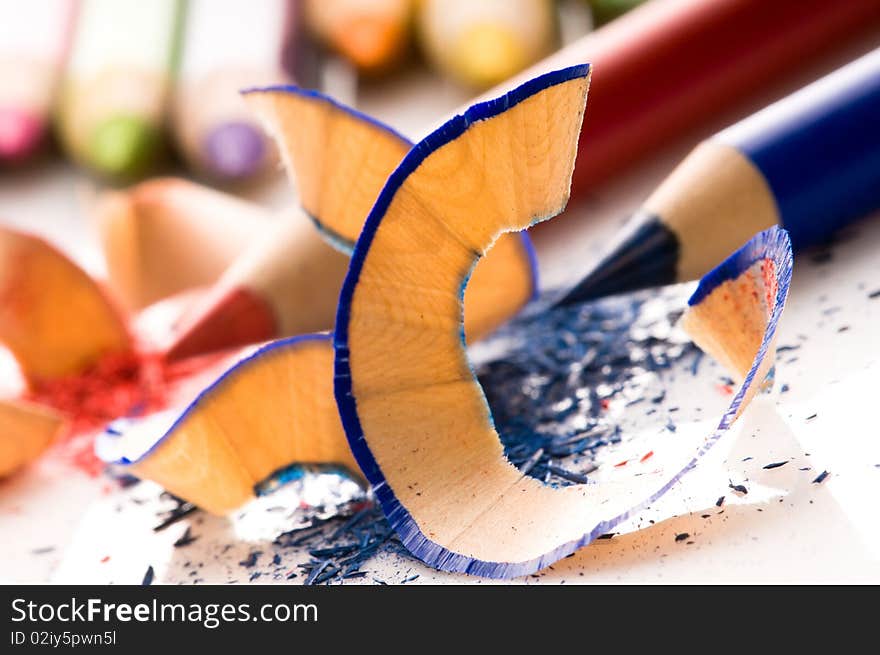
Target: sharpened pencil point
<point>647,258</point>
<point>235,318</point>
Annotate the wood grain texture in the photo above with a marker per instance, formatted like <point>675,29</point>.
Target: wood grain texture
<point>53,316</point>
<point>339,161</point>
<point>415,415</point>
<point>268,411</point>
<point>25,432</point>
<point>730,323</point>
<point>168,235</point>
<point>424,416</point>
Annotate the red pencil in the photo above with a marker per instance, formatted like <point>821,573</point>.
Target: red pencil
<point>666,66</point>
<point>286,283</point>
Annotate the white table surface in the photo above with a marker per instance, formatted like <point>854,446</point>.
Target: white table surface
<point>59,525</point>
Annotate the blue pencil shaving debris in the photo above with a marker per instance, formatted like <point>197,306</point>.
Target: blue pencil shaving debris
<point>148,577</point>
<point>550,388</point>
<point>181,511</point>
<point>318,570</point>
<point>549,378</point>
<point>821,477</point>
<point>185,539</point>
<point>341,545</point>
<point>775,465</point>
<point>251,559</point>
<point>578,478</point>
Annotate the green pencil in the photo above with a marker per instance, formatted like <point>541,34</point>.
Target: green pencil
<point>116,89</point>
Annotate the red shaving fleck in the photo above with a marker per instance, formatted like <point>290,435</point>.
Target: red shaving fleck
<point>771,286</point>
<point>77,449</point>
<point>105,559</point>
<point>121,384</point>
<point>647,456</point>
<point>605,403</point>
<point>726,389</point>
<point>768,268</point>
<point>623,463</point>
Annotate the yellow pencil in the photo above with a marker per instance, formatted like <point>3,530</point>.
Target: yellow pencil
<point>484,43</point>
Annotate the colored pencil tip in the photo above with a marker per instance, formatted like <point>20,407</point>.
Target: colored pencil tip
<point>370,43</point>
<point>648,257</point>
<point>234,150</point>
<point>488,54</point>
<point>21,133</point>
<point>226,320</point>
<point>124,146</point>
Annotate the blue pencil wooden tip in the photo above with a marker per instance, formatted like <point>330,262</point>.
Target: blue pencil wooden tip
<point>646,258</point>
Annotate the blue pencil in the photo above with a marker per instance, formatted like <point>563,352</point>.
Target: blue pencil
<point>810,163</point>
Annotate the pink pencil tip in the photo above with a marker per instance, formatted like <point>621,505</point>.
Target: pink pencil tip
<point>21,133</point>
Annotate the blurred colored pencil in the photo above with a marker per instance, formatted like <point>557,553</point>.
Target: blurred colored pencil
<point>301,58</point>
<point>116,88</point>
<point>484,43</point>
<point>216,133</point>
<point>33,39</point>
<point>666,66</point>
<point>371,34</point>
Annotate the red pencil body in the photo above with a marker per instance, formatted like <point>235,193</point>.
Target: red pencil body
<point>236,318</point>
<point>667,66</point>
